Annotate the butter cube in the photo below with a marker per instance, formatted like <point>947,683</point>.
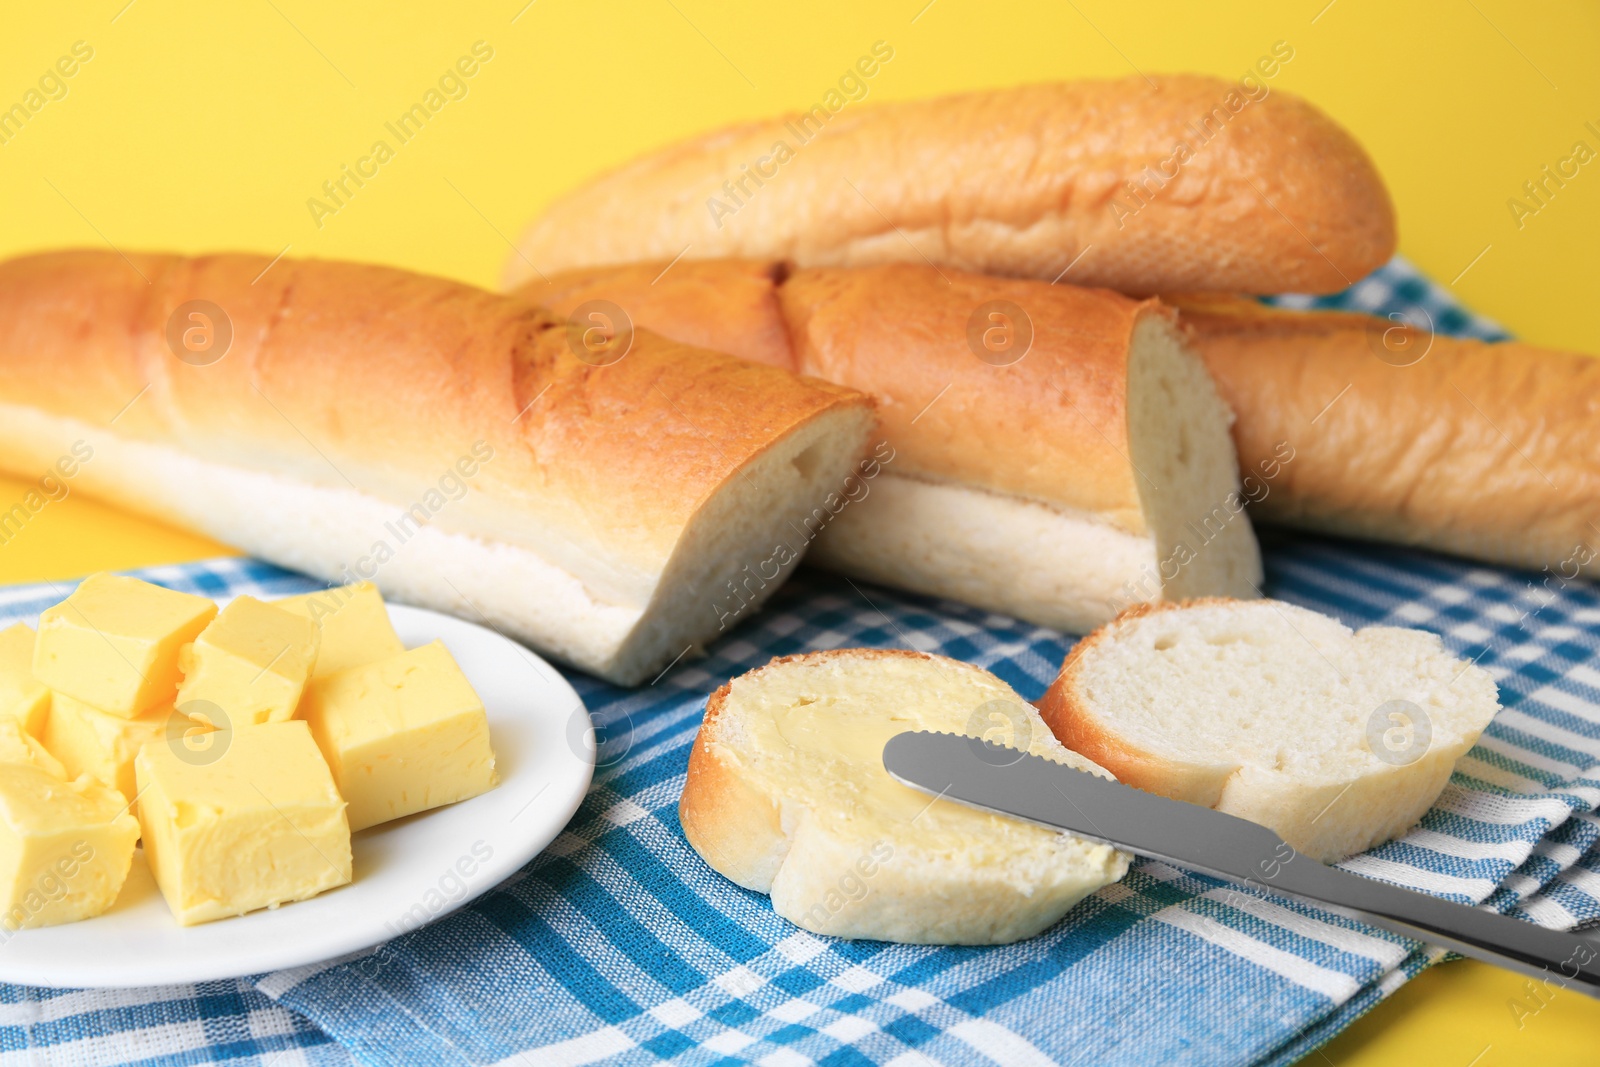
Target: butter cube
<point>113,644</point>
<point>88,741</point>
<point>251,663</point>
<point>18,746</point>
<point>402,735</point>
<point>256,826</point>
<point>22,696</point>
<point>354,623</point>
<point>65,847</point>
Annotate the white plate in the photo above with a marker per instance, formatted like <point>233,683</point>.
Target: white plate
<point>406,872</point>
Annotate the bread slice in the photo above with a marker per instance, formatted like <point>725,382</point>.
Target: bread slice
<point>1337,740</point>
<point>787,795</point>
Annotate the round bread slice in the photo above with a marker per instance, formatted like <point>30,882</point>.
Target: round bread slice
<point>1338,740</point>
<point>787,795</point>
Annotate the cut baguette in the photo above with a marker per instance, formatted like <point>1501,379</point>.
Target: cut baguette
<point>1091,472</point>
<point>447,443</point>
<point>1143,184</point>
<point>787,795</point>
<point>1337,740</point>
<point>1396,434</point>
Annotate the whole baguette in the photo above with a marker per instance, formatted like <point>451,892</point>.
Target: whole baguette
<point>444,441</point>
<point>1490,451</point>
<point>1058,482</point>
<point>1143,185</point>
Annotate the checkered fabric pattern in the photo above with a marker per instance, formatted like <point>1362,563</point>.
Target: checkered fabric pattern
<point>1400,292</point>
<point>619,946</point>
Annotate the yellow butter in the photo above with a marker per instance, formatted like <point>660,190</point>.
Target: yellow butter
<point>250,664</point>
<point>88,741</point>
<point>65,847</point>
<point>252,823</point>
<point>402,735</point>
<point>354,623</point>
<point>113,644</point>
<point>22,696</point>
<point>19,746</point>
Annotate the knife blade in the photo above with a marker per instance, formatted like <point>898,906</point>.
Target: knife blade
<point>1009,782</point>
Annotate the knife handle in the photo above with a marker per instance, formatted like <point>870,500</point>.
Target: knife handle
<point>1564,958</point>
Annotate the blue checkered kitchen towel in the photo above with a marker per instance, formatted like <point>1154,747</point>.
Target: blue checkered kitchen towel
<point>620,946</point>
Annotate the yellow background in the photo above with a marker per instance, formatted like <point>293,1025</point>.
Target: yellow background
<point>208,125</point>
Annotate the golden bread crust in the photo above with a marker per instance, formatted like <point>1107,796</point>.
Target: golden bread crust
<point>347,374</point>
<point>1484,450</point>
<point>1271,196</point>
<point>1050,427</point>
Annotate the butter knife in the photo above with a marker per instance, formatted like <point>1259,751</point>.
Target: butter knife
<point>1009,782</point>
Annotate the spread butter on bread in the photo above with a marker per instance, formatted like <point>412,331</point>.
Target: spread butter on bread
<point>787,795</point>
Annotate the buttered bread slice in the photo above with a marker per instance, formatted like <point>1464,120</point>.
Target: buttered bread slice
<point>787,795</point>
<point>1338,740</point>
